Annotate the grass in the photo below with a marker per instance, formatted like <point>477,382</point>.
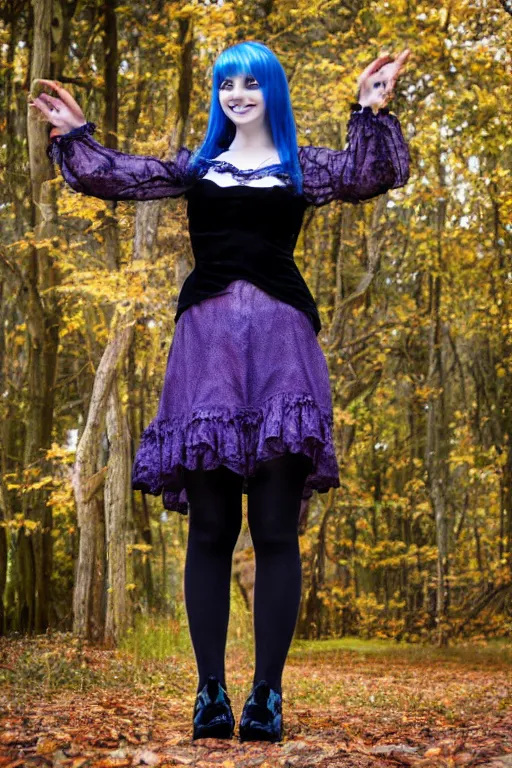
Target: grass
<point>157,653</point>
<point>160,638</point>
<point>469,652</point>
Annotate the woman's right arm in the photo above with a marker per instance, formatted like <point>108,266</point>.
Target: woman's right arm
<point>92,169</point>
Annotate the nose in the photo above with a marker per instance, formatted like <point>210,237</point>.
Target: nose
<point>237,91</point>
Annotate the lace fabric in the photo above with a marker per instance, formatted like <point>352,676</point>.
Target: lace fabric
<point>215,435</point>
<point>243,175</point>
<point>93,169</point>
<point>376,159</point>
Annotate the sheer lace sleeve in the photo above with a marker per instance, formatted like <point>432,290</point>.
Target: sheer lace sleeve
<point>89,167</point>
<point>375,160</point>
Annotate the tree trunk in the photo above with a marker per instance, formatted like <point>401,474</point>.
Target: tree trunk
<point>87,482</point>
<point>436,459</point>
<point>311,626</point>
<point>117,515</point>
<point>35,546</point>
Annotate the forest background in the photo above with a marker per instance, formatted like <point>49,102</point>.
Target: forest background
<point>414,290</point>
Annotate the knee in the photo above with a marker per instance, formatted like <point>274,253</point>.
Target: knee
<point>215,534</point>
<point>272,541</point>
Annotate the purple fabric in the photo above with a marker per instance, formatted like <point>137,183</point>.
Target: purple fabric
<point>246,379</point>
<point>92,169</point>
<point>376,159</point>
<point>233,395</point>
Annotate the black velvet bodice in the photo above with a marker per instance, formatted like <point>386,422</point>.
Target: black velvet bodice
<point>245,232</point>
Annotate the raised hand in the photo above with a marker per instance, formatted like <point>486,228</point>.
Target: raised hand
<point>62,112</point>
<point>377,81</point>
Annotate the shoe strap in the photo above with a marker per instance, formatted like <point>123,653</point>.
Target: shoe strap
<point>213,697</point>
<point>264,703</point>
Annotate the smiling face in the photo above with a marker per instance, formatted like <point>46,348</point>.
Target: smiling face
<point>241,99</point>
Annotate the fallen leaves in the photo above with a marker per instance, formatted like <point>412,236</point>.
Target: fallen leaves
<point>423,715</point>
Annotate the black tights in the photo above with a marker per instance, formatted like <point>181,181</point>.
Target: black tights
<point>215,519</point>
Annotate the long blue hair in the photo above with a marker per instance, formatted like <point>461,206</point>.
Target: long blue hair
<point>255,59</point>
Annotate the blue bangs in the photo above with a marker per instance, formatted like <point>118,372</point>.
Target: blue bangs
<point>255,59</point>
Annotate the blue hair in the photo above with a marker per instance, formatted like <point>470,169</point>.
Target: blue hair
<point>255,59</point>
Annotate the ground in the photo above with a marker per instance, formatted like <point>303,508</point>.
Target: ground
<point>346,703</point>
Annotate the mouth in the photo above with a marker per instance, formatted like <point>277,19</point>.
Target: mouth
<point>241,110</point>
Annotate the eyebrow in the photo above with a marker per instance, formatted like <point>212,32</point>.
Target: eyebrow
<point>247,77</point>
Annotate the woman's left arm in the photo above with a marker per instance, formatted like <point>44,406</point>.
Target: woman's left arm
<point>377,157</point>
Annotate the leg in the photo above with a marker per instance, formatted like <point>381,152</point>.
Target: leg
<point>215,512</point>
<point>274,496</point>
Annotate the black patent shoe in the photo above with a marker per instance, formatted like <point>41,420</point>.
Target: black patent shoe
<point>261,718</point>
<point>213,717</point>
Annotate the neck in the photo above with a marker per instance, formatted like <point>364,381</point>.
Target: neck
<point>252,138</point>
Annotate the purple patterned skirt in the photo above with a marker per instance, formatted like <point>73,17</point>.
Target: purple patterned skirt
<point>246,381</point>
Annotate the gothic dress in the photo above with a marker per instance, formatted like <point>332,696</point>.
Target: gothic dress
<point>246,379</point>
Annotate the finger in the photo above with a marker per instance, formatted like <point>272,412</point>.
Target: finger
<point>382,68</point>
<point>400,61</point>
<point>402,58</point>
<point>388,96</point>
<point>392,77</point>
<point>49,83</point>
<point>384,100</point>
<point>51,101</point>
<point>375,66</point>
<point>64,95</point>
<point>42,106</point>
<point>385,73</point>
<point>380,62</point>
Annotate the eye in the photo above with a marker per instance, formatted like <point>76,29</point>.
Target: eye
<point>250,82</point>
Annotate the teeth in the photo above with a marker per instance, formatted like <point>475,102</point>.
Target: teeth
<point>241,110</point>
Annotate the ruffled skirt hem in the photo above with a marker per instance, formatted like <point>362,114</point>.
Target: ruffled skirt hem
<point>239,440</point>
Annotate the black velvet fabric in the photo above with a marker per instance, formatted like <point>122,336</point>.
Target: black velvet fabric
<point>245,232</point>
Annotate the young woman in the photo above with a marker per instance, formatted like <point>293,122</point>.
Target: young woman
<point>246,402</point>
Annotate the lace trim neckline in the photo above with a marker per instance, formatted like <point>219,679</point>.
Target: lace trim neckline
<point>244,174</point>
<point>227,164</point>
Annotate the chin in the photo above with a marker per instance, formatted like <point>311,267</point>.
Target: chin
<point>245,122</point>
<point>242,119</point>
